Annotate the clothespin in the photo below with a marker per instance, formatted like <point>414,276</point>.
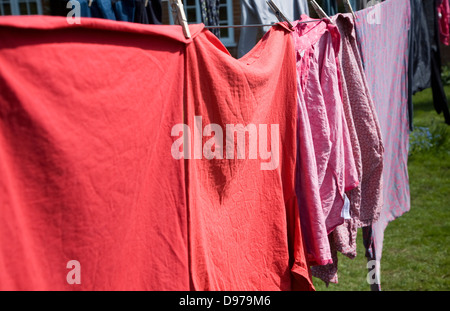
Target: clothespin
<point>90,3</point>
<point>179,16</point>
<point>349,8</point>
<point>319,10</point>
<point>146,3</point>
<point>281,17</point>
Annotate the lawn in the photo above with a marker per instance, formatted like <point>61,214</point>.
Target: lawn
<point>416,245</point>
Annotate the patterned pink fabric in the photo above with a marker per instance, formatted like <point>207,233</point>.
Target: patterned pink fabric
<point>444,22</point>
<point>382,33</point>
<point>364,129</point>
<point>332,170</point>
<point>360,111</point>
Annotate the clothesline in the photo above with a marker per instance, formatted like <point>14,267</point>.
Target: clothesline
<point>240,26</point>
<point>256,25</point>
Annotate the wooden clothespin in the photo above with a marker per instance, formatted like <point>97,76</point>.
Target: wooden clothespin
<point>319,10</point>
<point>90,3</point>
<point>179,16</point>
<point>349,8</point>
<point>146,3</point>
<point>281,17</point>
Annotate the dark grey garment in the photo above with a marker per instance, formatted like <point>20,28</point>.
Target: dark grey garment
<point>140,15</point>
<point>419,63</point>
<point>439,97</point>
<point>330,7</point>
<point>258,12</point>
<point>210,14</point>
<point>154,12</point>
<point>361,4</point>
<point>150,14</point>
<point>420,49</point>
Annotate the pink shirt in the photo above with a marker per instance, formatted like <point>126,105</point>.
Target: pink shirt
<point>334,170</point>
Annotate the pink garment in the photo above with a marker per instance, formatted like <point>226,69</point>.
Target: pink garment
<point>341,174</point>
<point>362,121</point>
<point>444,22</point>
<point>321,187</point>
<point>360,112</point>
<point>384,52</point>
<point>312,219</point>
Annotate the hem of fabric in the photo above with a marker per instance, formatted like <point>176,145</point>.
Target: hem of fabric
<point>327,274</point>
<point>302,279</point>
<point>319,262</point>
<point>313,260</point>
<point>352,186</point>
<point>350,254</point>
<point>368,222</point>
<point>332,228</point>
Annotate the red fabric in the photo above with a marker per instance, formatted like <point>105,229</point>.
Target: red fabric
<point>244,226</point>
<point>444,22</point>
<point>87,116</point>
<point>85,159</point>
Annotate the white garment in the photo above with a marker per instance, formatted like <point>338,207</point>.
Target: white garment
<point>258,12</point>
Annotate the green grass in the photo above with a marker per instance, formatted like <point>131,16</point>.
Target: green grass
<point>416,253</point>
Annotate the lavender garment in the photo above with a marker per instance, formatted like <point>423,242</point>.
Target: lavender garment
<point>365,134</point>
<point>382,33</point>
